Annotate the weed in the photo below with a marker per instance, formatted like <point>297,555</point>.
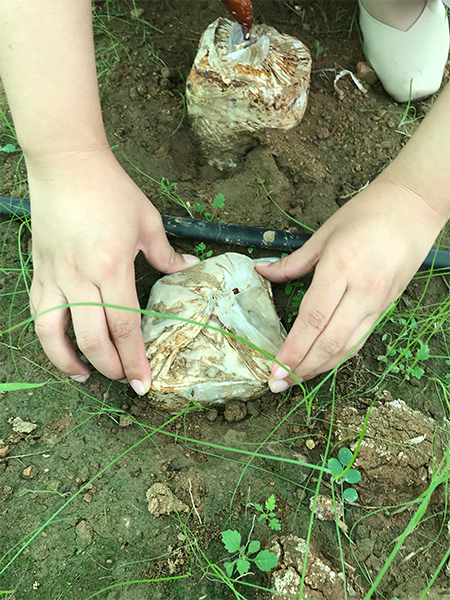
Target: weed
<point>294,290</point>
<point>338,466</point>
<point>218,202</point>
<point>264,560</point>
<point>403,355</point>
<point>319,49</point>
<point>267,512</point>
<point>8,148</point>
<point>201,252</point>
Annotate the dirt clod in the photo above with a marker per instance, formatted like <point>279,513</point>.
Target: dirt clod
<point>399,451</point>
<point>161,501</point>
<point>235,411</point>
<point>21,426</point>
<point>322,581</point>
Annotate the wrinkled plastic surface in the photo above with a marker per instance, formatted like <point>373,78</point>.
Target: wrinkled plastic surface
<point>237,87</point>
<point>193,362</point>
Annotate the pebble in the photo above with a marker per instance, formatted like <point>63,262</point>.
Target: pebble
<point>30,472</point>
<point>177,464</point>
<point>253,408</point>
<point>366,73</point>
<point>310,444</point>
<point>4,451</point>
<point>123,422</point>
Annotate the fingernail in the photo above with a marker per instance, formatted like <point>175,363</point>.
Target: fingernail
<point>278,386</point>
<point>123,380</point>
<point>80,378</point>
<point>280,372</point>
<point>138,387</point>
<point>190,259</point>
<point>264,262</point>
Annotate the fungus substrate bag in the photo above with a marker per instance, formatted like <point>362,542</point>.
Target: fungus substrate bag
<point>189,357</point>
<point>238,87</point>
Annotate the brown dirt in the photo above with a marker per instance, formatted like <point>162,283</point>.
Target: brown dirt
<point>80,451</point>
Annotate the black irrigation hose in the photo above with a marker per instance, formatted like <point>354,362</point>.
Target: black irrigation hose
<point>222,233</point>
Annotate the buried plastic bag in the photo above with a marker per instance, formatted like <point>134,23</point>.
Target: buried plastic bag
<point>193,362</point>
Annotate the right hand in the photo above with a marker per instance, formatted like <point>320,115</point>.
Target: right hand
<point>89,220</point>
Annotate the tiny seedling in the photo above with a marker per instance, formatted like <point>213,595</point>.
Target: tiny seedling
<point>337,465</point>
<point>319,49</point>
<point>400,358</point>
<point>295,291</point>
<point>218,202</point>
<point>264,559</point>
<point>201,252</point>
<point>8,148</point>
<point>267,512</point>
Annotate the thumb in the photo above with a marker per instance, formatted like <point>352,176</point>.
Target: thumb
<point>160,254</point>
<point>294,266</point>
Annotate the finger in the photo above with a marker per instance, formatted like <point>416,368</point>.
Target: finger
<point>51,329</point>
<point>92,333</point>
<point>159,253</point>
<point>295,265</point>
<point>337,340</point>
<point>125,329</point>
<point>316,310</point>
<point>35,296</point>
<point>351,349</point>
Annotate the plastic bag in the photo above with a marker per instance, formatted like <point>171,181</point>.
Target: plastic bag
<point>193,362</point>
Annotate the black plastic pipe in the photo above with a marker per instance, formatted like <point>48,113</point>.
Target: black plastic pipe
<point>222,233</point>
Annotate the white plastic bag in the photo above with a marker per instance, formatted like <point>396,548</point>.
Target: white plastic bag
<point>237,87</point>
<point>192,362</point>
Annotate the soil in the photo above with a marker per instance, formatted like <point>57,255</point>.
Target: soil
<point>101,491</point>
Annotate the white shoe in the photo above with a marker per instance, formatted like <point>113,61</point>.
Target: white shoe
<point>409,64</point>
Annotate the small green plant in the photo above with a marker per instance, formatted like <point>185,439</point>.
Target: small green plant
<point>295,290</point>
<point>319,49</point>
<point>404,356</point>
<point>201,252</point>
<point>264,559</point>
<point>8,148</point>
<point>337,466</point>
<point>218,202</point>
<point>267,512</point>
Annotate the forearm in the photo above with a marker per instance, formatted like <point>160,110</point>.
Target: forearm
<point>47,64</point>
<point>423,165</point>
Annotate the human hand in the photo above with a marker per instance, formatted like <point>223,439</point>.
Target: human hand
<point>363,257</point>
<point>89,220</point>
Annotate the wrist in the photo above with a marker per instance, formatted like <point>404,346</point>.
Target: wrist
<point>65,164</point>
<point>431,203</point>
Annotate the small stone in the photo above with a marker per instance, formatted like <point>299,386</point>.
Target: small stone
<point>366,73</point>
<point>177,464</point>
<point>323,133</point>
<point>235,411</point>
<point>4,451</point>
<point>123,422</point>
<point>253,408</point>
<point>87,498</point>
<point>310,444</point>
<point>30,472</point>
<point>212,414</point>
<point>21,426</point>
<point>391,124</point>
